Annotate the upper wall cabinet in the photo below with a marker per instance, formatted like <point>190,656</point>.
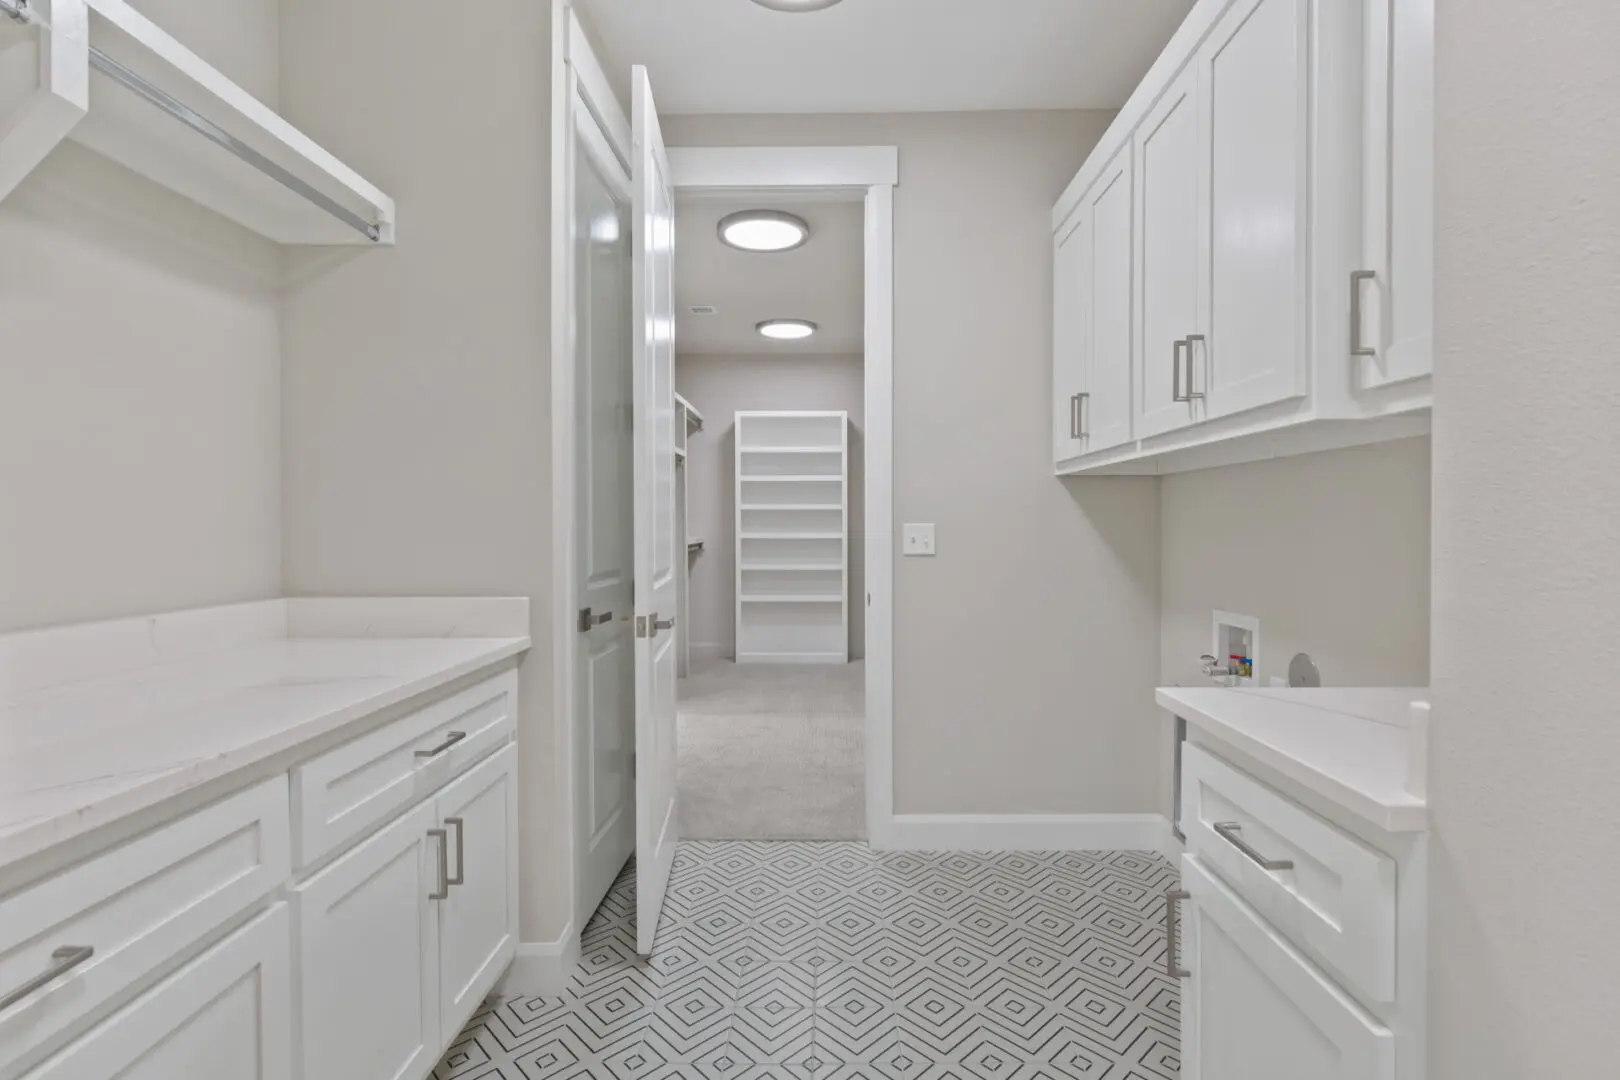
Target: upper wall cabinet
<point>104,75</point>
<point>1274,291</point>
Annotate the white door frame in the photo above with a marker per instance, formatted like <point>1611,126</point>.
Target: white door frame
<point>853,172</point>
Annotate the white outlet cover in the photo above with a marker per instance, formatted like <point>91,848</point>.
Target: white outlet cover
<point>918,540</point>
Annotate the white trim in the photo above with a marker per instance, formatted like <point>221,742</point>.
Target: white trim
<point>595,89</point>
<point>729,167</point>
<point>541,968</point>
<point>1027,832</point>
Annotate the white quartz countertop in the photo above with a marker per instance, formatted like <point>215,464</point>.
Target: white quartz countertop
<point>1361,748</point>
<point>123,723</point>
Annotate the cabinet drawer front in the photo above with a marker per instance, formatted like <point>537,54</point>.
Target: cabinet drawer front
<point>136,906</point>
<point>1337,901</point>
<point>227,1014</point>
<point>1255,1009</point>
<point>354,788</point>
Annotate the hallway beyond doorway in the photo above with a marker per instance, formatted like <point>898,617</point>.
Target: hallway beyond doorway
<point>773,752</point>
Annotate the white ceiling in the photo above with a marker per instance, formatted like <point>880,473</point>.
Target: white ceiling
<point>820,281</point>
<point>733,56</point>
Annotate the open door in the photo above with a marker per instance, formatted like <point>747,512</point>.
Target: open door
<point>653,332</point>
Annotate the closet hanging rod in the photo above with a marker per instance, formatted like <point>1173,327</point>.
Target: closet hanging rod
<point>225,140</point>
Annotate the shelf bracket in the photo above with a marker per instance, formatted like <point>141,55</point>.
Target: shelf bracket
<point>41,120</point>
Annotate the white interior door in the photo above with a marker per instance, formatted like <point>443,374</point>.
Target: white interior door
<point>653,378</point>
<point>604,674</point>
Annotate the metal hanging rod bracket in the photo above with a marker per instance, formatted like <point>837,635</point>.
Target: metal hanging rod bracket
<point>223,139</point>
<point>17,11</point>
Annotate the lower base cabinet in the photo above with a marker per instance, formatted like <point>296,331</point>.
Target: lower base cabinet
<point>1253,1008</point>
<point>223,1016</point>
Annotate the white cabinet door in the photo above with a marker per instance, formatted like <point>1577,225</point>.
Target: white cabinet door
<point>1166,148</point>
<point>1395,334</point>
<point>1071,296</point>
<point>1255,1009</point>
<point>1254,98</point>
<point>1105,414</point>
<point>367,933</point>
<point>478,920</point>
<point>227,1014</point>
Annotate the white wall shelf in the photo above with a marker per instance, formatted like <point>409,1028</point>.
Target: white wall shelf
<point>151,104</point>
<point>792,574</point>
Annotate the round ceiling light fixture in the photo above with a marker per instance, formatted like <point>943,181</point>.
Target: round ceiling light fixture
<point>786,329</point>
<point>763,230</point>
<point>797,5</point>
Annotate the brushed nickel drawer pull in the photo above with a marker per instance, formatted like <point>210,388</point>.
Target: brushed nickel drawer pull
<point>1230,831</point>
<point>443,891</point>
<point>1172,935</point>
<point>63,960</point>
<point>460,877</point>
<point>449,740</point>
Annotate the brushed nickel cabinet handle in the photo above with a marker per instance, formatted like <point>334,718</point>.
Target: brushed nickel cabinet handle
<point>1191,393</point>
<point>1172,935</point>
<point>1356,347</point>
<point>443,891</point>
<point>1231,832</point>
<point>63,960</point>
<point>1175,369</point>
<point>449,740</point>
<point>1078,405</point>
<point>460,876</point>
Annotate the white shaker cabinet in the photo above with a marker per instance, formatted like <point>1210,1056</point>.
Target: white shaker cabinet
<point>478,919</point>
<point>1254,1009</point>
<point>1392,293</point>
<point>1093,324</point>
<point>368,943</point>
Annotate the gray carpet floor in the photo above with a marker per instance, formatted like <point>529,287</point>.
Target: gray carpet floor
<point>771,752</point>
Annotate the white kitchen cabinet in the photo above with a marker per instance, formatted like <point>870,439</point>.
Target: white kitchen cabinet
<point>1253,1008</point>
<point>1254,90</point>
<point>226,1014</point>
<point>1282,166</point>
<point>1393,293</point>
<point>1092,327</point>
<point>1168,264</point>
<point>367,931</point>
<point>478,919</point>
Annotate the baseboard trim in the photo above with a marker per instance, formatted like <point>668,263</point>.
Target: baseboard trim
<point>1024,832</point>
<point>541,968</point>
<point>708,650</point>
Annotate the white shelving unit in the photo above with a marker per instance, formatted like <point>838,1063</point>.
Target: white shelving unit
<point>792,483</point>
<point>104,75</point>
<point>688,422</point>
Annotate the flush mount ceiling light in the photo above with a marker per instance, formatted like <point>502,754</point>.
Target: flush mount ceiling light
<point>786,329</point>
<point>763,230</point>
<point>796,5</point>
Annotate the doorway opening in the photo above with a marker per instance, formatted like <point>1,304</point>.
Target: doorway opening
<point>770,372</point>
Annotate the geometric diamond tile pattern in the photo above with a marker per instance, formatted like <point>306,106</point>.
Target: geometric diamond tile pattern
<point>830,961</point>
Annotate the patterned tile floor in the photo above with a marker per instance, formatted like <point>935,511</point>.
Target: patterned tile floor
<point>809,961</point>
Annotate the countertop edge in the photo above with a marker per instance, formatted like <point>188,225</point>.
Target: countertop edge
<point>38,838</point>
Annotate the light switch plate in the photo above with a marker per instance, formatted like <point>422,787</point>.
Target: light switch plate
<point>918,540</point>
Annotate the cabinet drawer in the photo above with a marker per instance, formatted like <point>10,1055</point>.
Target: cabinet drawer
<point>1255,1008</point>
<point>224,1016</point>
<point>354,788</point>
<point>1336,902</point>
<point>134,907</point>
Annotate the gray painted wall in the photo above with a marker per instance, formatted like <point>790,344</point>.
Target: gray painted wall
<point>719,387</point>
<point>1526,731</point>
<point>1026,652</point>
<point>139,378</point>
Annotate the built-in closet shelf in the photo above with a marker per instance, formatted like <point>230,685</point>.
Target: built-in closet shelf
<point>792,580</point>
<point>794,598</point>
<point>694,419</point>
<point>115,82</point>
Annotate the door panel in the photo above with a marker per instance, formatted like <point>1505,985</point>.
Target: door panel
<point>478,919</point>
<point>604,675</point>
<point>1071,299</point>
<point>1255,1009</point>
<point>1167,177</point>
<point>1254,94</point>
<point>1397,303</point>
<point>368,940</point>
<point>653,380</point>
<point>1106,415</point>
